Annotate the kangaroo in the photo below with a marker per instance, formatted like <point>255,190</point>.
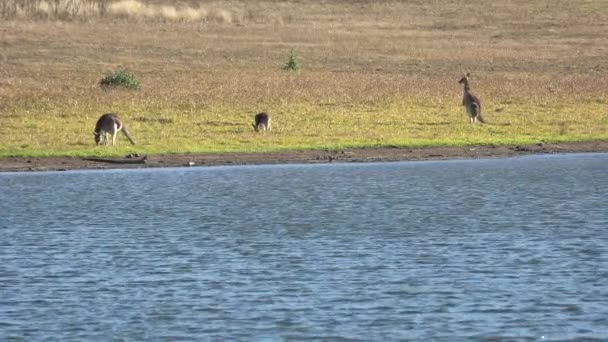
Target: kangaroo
<point>262,122</point>
<point>470,101</point>
<point>110,123</point>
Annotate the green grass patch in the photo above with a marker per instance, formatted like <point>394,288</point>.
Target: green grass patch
<point>120,78</point>
<point>59,129</point>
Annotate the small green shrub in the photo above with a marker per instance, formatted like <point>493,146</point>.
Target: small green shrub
<point>292,63</point>
<point>120,78</point>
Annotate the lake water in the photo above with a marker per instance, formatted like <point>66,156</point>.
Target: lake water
<point>443,250</point>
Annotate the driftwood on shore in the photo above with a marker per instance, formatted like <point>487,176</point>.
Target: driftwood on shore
<point>117,161</point>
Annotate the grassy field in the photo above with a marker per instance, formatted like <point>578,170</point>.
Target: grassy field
<point>373,73</point>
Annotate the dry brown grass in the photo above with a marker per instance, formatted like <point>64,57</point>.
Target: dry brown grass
<point>357,57</point>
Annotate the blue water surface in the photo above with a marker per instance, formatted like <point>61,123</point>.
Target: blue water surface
<point>443,250</point>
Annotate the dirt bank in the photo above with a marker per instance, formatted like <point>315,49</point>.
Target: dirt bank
<point>347,155</point>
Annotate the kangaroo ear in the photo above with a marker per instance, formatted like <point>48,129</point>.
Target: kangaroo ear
<point>468,74</point>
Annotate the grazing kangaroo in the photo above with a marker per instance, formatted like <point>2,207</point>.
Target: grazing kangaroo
<point>262,122</point>
<point>470,102</point>
<point>110,123</point>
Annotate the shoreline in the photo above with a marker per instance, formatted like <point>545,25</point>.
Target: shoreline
<point>372,154</point>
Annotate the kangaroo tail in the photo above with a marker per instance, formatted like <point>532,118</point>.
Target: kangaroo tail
<point>481,119</point>
<point>128,135</point>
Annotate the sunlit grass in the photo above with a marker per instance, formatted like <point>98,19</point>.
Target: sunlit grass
<point>57,130</point>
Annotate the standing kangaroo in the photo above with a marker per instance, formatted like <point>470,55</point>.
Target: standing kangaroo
<point>110,123</point>
<point>470,102</point>
<point>262,122</point>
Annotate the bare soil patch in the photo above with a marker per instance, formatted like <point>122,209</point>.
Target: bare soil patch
<point>383,154</point>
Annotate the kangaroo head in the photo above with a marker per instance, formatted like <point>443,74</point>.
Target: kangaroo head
<point>465,79</point>
<point>97,137</point>
<point>255,127</point>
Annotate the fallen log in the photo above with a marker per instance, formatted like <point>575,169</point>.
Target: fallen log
<point>117,161</point>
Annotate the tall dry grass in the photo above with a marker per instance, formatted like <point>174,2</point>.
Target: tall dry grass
<point>51,9</point>
<point>129,9</point>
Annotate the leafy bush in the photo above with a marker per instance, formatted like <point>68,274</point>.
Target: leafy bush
<point>120,78</point>
<point>292,63</point>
